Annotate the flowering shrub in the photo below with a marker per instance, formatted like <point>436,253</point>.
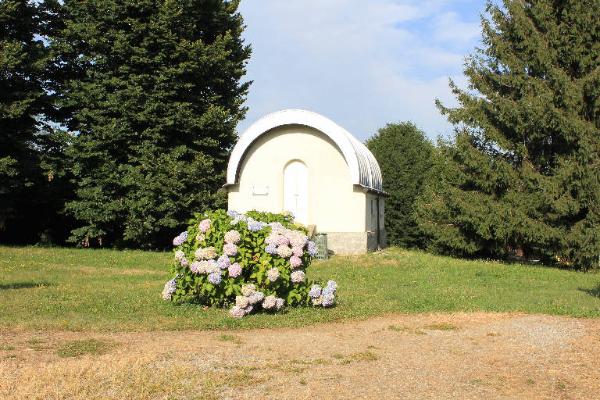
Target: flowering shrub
<point>249,262</point>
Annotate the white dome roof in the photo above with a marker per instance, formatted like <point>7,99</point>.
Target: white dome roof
<point>364,169</point>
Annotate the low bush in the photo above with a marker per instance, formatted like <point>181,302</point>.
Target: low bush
<point>249,262</point>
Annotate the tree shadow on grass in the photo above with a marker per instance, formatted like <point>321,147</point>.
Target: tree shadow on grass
<point>23,285</point>
<point>594,292</point>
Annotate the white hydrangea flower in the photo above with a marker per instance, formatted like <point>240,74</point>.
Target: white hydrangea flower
<point>247,290</point>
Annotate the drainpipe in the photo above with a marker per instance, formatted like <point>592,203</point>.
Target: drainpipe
<point>378,227</point>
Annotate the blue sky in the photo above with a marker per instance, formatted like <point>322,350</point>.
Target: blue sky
<point>362,63</point>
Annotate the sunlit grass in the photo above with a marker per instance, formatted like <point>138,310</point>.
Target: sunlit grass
<point>110,290</point>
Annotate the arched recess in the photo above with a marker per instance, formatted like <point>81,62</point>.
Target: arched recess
<point>295,190</point>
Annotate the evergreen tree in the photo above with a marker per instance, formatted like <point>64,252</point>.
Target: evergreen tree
<point>29,202</point>
<point>404,156</point>
<point>154,97</point>
<point>21,65</point>
<point>523,175</point>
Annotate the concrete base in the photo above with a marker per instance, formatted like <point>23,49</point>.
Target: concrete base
<point>353,242</point>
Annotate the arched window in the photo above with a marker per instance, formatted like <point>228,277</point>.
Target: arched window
<point>295,190</point>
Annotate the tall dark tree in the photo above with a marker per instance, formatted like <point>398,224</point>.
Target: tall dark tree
<point>523,175</point>
<point>28,201</point>
<point>404,155</point>
<point>155,96</point>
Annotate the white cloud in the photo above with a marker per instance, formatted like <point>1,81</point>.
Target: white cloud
<point>361,63</point>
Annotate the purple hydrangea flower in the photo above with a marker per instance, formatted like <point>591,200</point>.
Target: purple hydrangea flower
<point>169,289</point>
<point>204,225</point>
<point>235,270</point>
<point>179,255</point>
<point>232,213</point>
<point>312,248</point>
<point>328,300</point>
<point>330,288</point>
<point>315,291</point>
<point>214,278</point>
<point>255,226</point>
<point>271,248</point>
<point>230,249</point>
<point>279,302</point>
<point>295,261</point>
<point>180,239</point>
<point>298,276</point>
<point>184,262</point>
<point>223,262</point>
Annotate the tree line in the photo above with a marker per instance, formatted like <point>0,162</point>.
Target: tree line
<point>117,116</point>
<point>520,177</point>
<point>117,119</point>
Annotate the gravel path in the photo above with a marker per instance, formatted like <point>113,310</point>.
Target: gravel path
<point>467,356</point>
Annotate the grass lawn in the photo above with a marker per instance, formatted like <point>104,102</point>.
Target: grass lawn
<point>108,290</point>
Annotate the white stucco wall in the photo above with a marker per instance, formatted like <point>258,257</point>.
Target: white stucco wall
<point>335,204</point>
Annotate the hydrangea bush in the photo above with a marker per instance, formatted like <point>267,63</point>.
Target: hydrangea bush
<point>249,262</point>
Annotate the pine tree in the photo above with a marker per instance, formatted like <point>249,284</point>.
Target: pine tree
<point>523,174</point>
<point>155,98</point>
<point>404,155</point>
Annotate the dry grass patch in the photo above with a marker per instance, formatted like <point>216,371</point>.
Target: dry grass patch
<point>442,326</point>
<point>405,329</point>
<point>76,348</point>
<point>358,357</point>
<point>230,338</point>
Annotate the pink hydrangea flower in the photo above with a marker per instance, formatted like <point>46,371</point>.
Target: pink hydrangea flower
<point>281,241</point>
<point>295,261</point>
<point>298,276</point>
<point>179,255</point>
<point>273,274</point>
<point>205,253</point>
<point>195,267</point>
<point>234,270</point>
<point>232,236</point>
<point>237,312</point>
<point>269,302</point>
<point>230,249</point>
<point>271,239</point>
<point>204,225</point>
<point>297,239</point>
<point>297,251</point>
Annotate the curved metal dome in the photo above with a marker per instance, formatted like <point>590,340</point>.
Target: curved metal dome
<point>364,169</point>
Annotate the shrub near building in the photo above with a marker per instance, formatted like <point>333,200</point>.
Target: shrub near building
<point>251,262</point>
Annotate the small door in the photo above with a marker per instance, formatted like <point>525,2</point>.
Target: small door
<point>295,190</point>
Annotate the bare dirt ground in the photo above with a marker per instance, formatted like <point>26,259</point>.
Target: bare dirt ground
<point>466,356</point>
